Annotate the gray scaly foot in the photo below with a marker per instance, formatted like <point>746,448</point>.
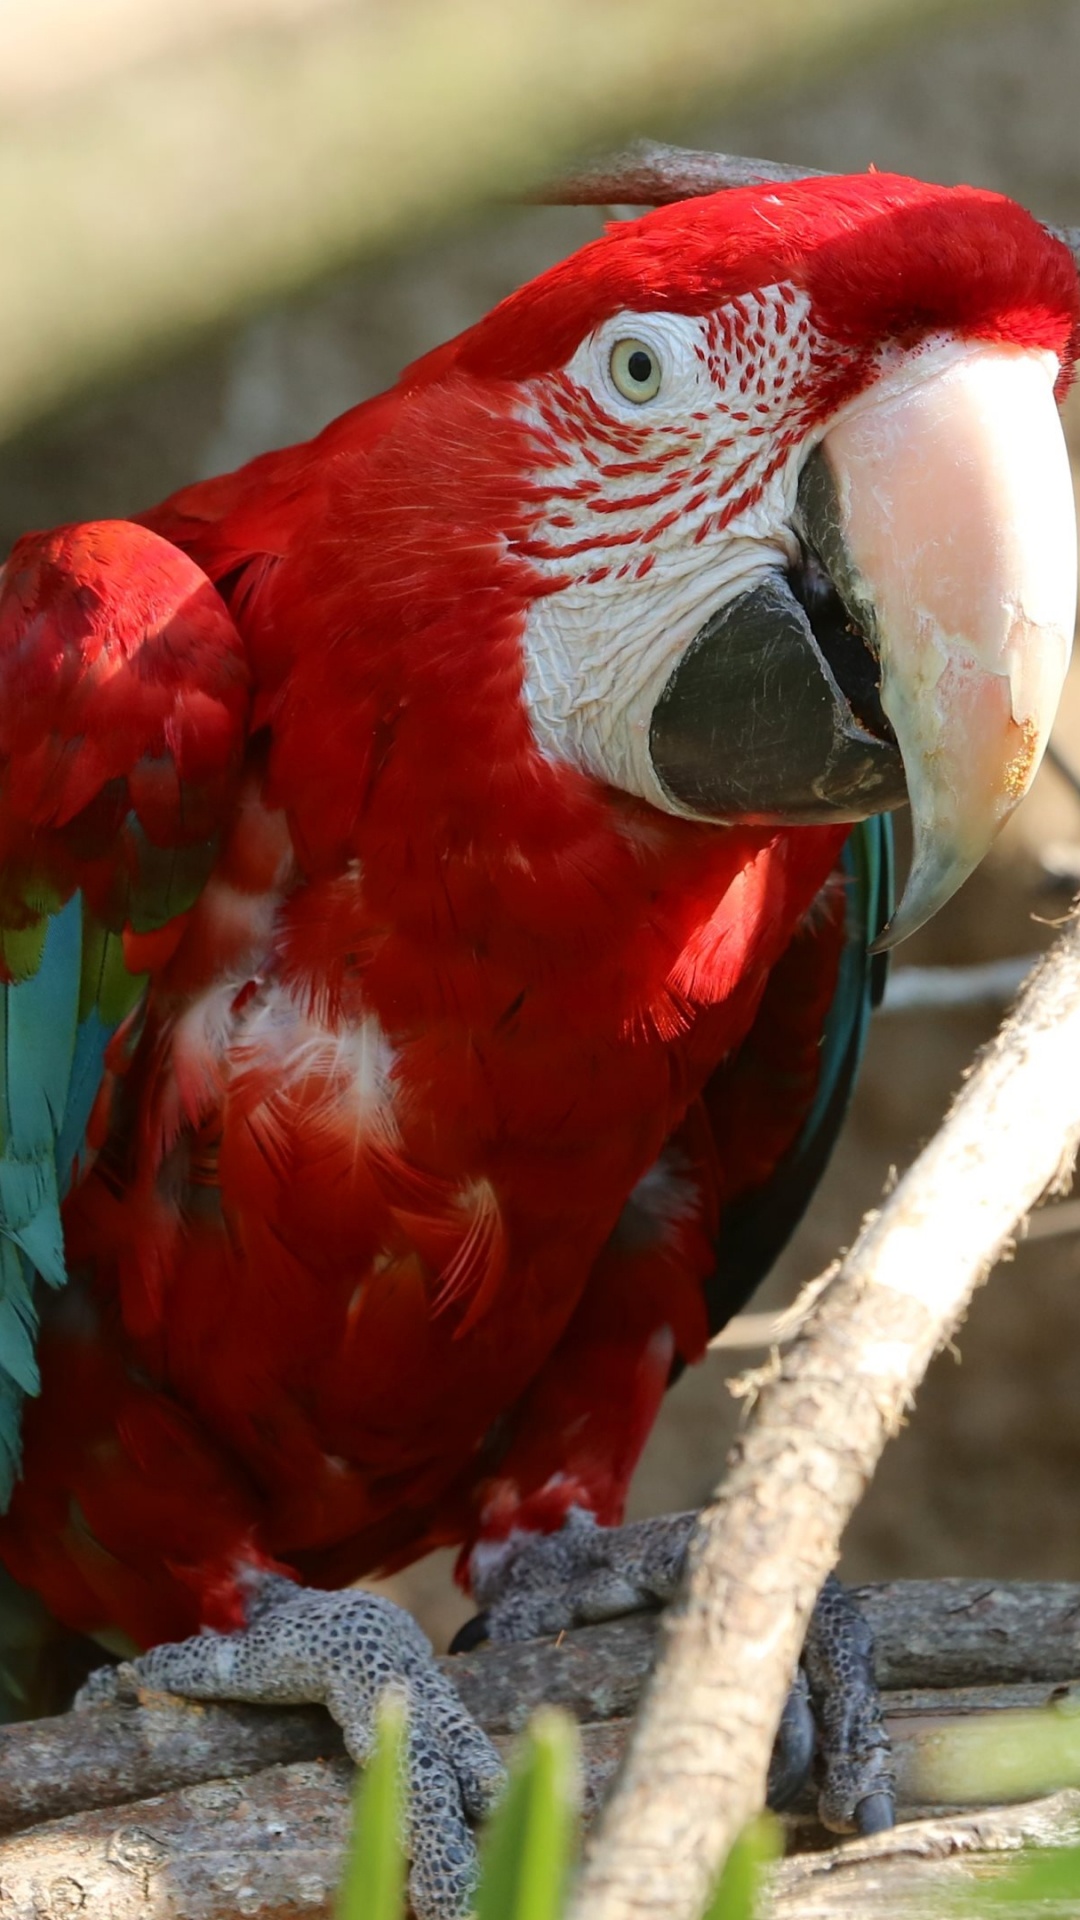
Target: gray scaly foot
<point>541,1584</point>
<point>537,1584</point>
<point>855,1775</point>
<point>345,1650</point>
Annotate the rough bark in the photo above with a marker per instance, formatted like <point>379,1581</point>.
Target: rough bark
<point>959,1633</point>
<point>271,1842</point>
<point>651,174</point>
<point>272,1845</point>
<point>197,1812</point>
<point>696,1769</point>
<point>975,1638</point>
<point>926,1870</point>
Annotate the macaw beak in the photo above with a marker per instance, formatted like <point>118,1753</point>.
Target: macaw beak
<point>955,510</point>
<point>938,516</point>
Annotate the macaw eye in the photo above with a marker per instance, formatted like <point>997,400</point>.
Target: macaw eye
<point>636,370</point>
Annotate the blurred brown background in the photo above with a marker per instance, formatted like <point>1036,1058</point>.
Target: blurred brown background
<point>985,1479</point>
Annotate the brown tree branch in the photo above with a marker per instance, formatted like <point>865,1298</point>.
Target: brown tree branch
<point>696,1769</point>
<point>197,1812</point>
<point>930,1634</point>
<point>272,1845</point>
<point>231,1834</point>
<point>930,1868</point>
<point>651,174</point>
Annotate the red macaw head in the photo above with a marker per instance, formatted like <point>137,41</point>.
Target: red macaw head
<point>804,514</point>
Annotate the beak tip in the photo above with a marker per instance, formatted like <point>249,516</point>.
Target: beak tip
<point>938,870</point>
<point>894,933</point>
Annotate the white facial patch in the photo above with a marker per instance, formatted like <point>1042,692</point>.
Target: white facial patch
<point>658,512</point>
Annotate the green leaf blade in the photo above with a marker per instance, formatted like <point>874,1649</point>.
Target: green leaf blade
<point>739,1888</point>
<point>529,1847</point>
<point>374,1884</point>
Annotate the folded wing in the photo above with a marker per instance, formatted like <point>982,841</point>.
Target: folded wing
<point>123,715</point>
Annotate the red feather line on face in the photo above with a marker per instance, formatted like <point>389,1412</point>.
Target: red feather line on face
<point>874,260</point>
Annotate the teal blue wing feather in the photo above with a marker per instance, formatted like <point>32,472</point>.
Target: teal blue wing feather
<point>55,1028</point>
<point>869,870</point>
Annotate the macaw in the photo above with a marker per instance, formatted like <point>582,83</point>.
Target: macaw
<point>438,864</point>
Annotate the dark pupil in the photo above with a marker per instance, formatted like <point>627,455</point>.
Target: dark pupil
<point>639,367</point>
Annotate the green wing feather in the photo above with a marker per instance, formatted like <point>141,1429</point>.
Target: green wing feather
<point>55,1025</point>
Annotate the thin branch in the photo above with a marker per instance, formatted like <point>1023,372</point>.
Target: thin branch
<point>651,174</point>
<point>992,983</point>
<point>1054,1223</point>
<point>697,1765</point>
<point>933,1867</point>
<point>1060,863</point>
<point>750,1331</point>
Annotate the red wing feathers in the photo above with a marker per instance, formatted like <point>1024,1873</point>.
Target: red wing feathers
<point>123,707</point>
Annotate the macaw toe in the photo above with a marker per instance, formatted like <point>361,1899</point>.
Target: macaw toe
<point>537,1584</point>
<point>854,1764</point>
<point>343,1650</point>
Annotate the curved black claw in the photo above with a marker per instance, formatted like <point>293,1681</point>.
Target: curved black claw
<point>855,1776</point>
<point>472,1635</point>
<point>875,1814</point>
<point>793,1749</point>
